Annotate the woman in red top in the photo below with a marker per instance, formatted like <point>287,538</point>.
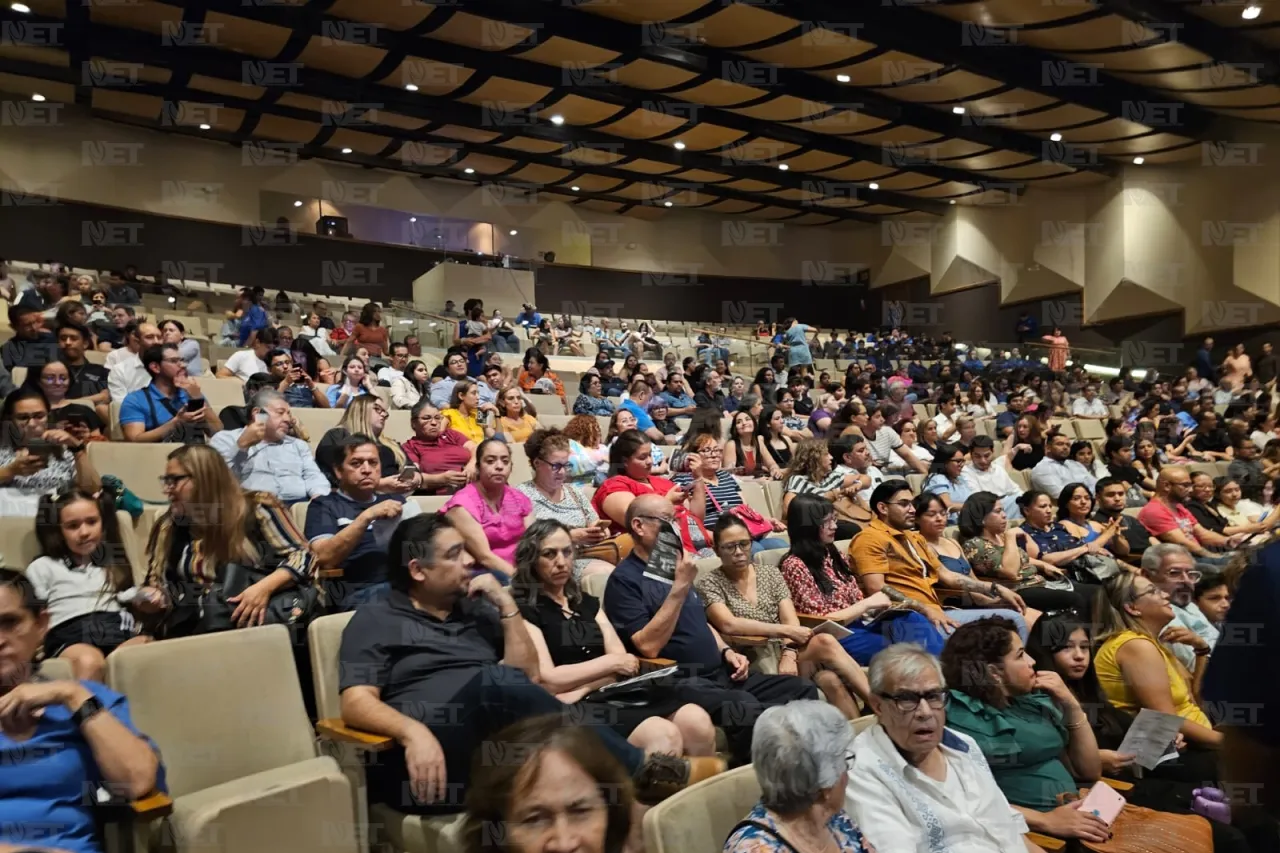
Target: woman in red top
<point>629,476</point>
<point>369,332</point>
<point>446,458</point>
<point>740,449</point>
<point>822,584</point>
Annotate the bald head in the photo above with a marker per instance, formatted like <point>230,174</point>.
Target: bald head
<point>148,336</point>
<point>1174,483</point>
<point>644,515</point>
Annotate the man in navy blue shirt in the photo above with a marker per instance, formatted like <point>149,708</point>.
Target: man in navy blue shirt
<point>349,528</point>
<point>658,619</point>
<point>31,345</point>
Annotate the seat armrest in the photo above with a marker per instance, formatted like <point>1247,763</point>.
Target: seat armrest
<point>810,620</point>
<point>329,574</point>
<point>153,806</point>
<point>650,664</point>
<point>1118,785</point>
<point>338,731</point>
<point>745,641</point>
<point>1045,842</point>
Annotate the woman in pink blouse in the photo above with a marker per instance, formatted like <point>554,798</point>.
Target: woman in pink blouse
<point>1057,350</point>
<point>822,584</point>
<point>490,515</point>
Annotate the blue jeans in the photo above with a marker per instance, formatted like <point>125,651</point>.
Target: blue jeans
<point>905,627</point>
<point>973,614</point>
<point>768,543</point>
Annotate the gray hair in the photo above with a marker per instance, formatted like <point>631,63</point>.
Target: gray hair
<point>901,662</point>
<point>265,398</point>
<point>798,750</point>
<point>1153,558</point>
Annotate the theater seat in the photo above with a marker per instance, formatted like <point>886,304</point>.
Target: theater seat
<point>240,757</point>
<point>138,465</point>
<point>18,543</point>
<point>400,832</point>
<point>699,819</point>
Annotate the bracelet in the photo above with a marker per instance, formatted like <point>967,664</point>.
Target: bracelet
<point>1204,653</point>
<point>513,614</point>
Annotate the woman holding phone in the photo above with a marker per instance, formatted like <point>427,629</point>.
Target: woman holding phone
<point>356,382</point>
<point>36,460</point>
<point>553,498</point>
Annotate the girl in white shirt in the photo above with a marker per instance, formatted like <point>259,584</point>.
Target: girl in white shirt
<point>86,582</point>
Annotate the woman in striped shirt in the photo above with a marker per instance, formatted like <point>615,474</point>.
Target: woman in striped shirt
<point>722,491</point>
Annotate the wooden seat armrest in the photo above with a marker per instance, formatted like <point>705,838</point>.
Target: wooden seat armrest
<point>329,574</point>
<point>1118,785</point>
<point>811,620</point>
<point>745,641</point>
<point>338,731</point>
<point>1045,842</point>
<point>650,664</point>
<point>153,806</point>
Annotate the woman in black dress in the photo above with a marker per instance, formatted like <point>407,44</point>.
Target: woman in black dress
<point>579,652</point>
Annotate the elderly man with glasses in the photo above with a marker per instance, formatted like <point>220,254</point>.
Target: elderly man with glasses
<point>455,365</point>
<point>1173,570</point>
<point>914,784</point>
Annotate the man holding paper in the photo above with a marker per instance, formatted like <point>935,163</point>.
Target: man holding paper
<point>656,617</point>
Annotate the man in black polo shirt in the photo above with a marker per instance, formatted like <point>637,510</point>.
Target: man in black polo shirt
<point>710,396</point>
<point>442,664</point>
<point>657,619</point>
<point>1211,442</point>
<point>88,381</point>
<point>1111,493</point>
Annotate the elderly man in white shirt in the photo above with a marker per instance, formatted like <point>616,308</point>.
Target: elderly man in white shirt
<point>983,475</point>
<point>265,458</point>
<point>1090,405</point>
<point>127,374</point>
<point>1173,570</point>
<point>915,786</point>
<point>1057,470</point>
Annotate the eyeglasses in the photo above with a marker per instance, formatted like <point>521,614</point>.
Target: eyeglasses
<point>1154,590</point>
<point>556,467</point>
<point>735,546</point>
<point>830,521</point>
<point>907,700</point>
<point>902,503</point>
<point>431,419</point>
<point>172,481</point>
<point>658,518</point>
<point>55,380</point>
<point>174,360</point>
<point>1189,575</point>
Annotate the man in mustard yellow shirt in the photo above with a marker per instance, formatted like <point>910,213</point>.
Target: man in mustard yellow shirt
<point>889,552</point>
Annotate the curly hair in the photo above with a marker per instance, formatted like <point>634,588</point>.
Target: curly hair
<point>544,441</point>
<point>808,458</point>
<point>584,429</point>
<point>970,650</point>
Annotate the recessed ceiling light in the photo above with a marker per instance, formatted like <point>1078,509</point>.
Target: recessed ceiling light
<point>557,119</point>
<point>37,97</point>
<point>1138,161</point>
<point>297,204</point>
<point>21,8</point>
<point>411,87</point>
<point>783,166</point>
<point>679,146</point>
<point>413,219</point>
<point>469,170</point>
<point>958,110</point>
<point>206,127</point>
<point>514,232</point>
<point>1055,137</point>
<point>1248,13</point>
<point>346,150</point>
<point>953,201</point>
<point>843,78</point>
<point>575,188</point>
<point>873,186</point>
<point>666,204</point>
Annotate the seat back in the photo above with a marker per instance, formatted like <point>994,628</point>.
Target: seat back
<point>325,637</point>
<point>220,706</point>
<point>700,817</point>
<point>138,465</point>
<point>18,543</point>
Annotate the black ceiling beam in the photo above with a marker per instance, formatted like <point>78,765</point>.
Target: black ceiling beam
<point>1172,24</point>
<point>634,42</point>
<point>596,87</point>
<point>77,45</point>
<point>316,149</point>
<point>128,45</point>
<point>903,26</point>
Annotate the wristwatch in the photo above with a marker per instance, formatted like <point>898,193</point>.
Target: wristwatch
<point>88,708</point>
<point>995,590</point>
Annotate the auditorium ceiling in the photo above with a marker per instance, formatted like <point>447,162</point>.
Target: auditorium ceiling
<point>809,111</point>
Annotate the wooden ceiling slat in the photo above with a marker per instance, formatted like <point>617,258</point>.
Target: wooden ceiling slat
<point>580,110</point>
<point>352,60</point>
<point>1152,58</point>
<point>481,33</point>
<point>887,68</point>
<point>242,35</point>
<point>946,87</point>
<point>499,93</point>
<point>40,55</point>
<point>562,52</point>
<point>721,93</point>
<point>18,84</point>
<point>396,14</point>
<point>431,78</point>
<point>642,11</point>
<point>229,88</point>
<point>127,103</point>
<point>817,46</point>
<point>997,13</point>
<point>841,123</point>
<point>643,74</point>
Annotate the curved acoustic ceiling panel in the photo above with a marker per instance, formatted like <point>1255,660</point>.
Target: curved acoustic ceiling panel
<point>808,110</point>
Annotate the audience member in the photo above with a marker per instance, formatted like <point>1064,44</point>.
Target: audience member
<point>298,388</point>
<point>263,457</point>
<point>515,421</point>
<point>31,345</point>
<point>171,408</point>
<point>174,333</point>
<point>394,370</point>
<point>36,460</point>
<point>369,332</point>
<point>1057,469</point>
<point>1075,509</point>
<point>537,377</point>
<point>553,498</point>
<point>86,380</point>
<point>253,358</point>
<point>354,383</point>
<point>412,386</point>
<point>489,513</point>
<point>366,416</point>
<point>1171,568</point>
<point>128,374</point>
<point>721,492</point>
<point>630,465</point>
<point>1167,518</point>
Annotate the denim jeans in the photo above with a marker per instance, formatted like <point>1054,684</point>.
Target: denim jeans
<point>906,627</point>
<point>768,543</point>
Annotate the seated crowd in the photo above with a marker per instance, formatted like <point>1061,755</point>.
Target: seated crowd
<point>1005,618</point>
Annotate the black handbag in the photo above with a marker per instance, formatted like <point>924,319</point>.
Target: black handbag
<point>197,608</point>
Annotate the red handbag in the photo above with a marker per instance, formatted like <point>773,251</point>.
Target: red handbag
<point>757,525</point>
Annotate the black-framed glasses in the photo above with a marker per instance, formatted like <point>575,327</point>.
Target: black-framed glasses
<point>734,546</point>
<point>171,481</point>
<point>907,701</point>
<point>903,503</point>
<point>658,518</point>
<point>556,467</point>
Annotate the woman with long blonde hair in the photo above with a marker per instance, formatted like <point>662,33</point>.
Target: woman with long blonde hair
<point>212,523</point>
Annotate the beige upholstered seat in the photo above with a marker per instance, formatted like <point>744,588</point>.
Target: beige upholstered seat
<point>240,756</point>
<point>399,832</point>
<point>138,465</point>
<point>699,819</point>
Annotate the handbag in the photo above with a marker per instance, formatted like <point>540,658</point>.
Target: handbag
<point>757,525</point>
<point>1092,568</point>
<point>1141,830</point>
<point>198,608</point>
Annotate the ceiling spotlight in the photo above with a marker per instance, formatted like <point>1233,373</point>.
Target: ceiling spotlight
<point>958,110</point>
<point>783,166</point>
<point>953,201</point>
<point>557,119</point>
<point>873,186</point>
<point>575,187</point>
<point>206,127</point>
<point>514,232</point>
<point>469,170</point>
<point>679,146</point>
<point>20,8</point>
<point>1138,161</point>
<point>411,87</point>
<point>297,204</point>
<point>666,204</point>
<point>413,219</point>
<point>346,150</point>
<point>843,78</point>
<point>37,97</point>
<point>1248,13</point>
<point>1055,137</point>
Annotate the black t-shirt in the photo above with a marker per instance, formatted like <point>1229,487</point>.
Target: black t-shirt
<point>86,380</point>
<point>1211,442</point>
<point>1265,368</point>
<point>1024,460</point>
<point>1127,473</point>
<point>804,404</point>
<point>571,639</point>
<point>703,400</point>
<point>234,417</point>
<point>1134,533</point>
<point>1207,517</point>
<point>76,411</point>
<point>108,334</point>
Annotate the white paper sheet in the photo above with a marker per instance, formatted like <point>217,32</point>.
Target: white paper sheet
<point>1150,737</point>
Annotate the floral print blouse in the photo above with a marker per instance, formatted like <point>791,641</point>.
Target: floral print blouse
<point>806,595</point>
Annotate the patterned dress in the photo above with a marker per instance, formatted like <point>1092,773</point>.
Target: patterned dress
<point>760,835</point>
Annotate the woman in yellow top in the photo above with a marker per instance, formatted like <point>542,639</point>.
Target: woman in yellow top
<point>1135,669</point>
<point>464,411</point>
<point>517,421</point>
